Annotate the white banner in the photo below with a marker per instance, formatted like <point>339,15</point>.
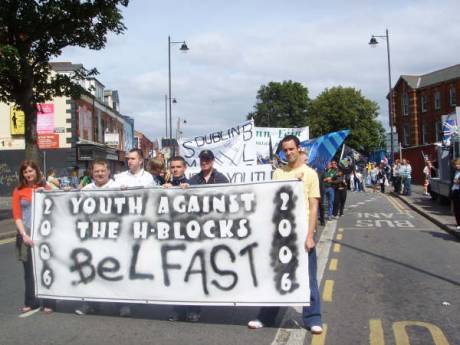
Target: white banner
<point>207,245</point>
<point>243,174</point>
<point>231,147</point>
<point>263,135</point>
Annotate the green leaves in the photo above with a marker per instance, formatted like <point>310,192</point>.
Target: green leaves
<point>345,108</point>
<point>32,32</point>
<point>281,105</point>
<point>287,104</point>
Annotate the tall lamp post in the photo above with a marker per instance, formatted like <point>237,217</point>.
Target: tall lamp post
<point>373,43</point>
<point>183,48</point>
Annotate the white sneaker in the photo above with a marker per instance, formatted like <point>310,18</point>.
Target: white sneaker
<point>255,324</point>
<point>316,329</point>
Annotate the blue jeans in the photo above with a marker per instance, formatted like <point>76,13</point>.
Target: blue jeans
<point>407,186</point>
<point>329,191</point>
<point>312,315</point>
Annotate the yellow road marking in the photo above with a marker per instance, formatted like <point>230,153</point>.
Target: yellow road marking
<point>327,290</point>
<point>320,339</point>
<point>394,204</point>
<point>340,229</point>
<point>402,338</point>
<point>397,202</point>
<point>8,240</point>
<point>333,265</point>
<point>337,247</point>
<point>339,237</point>
<point>376,336</point>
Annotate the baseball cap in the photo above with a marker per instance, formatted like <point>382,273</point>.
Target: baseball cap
<point>206,154</point>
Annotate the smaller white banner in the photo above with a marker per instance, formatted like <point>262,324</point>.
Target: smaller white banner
<point>243,174</point>
<point>263,135</point>
<point>234,146</point>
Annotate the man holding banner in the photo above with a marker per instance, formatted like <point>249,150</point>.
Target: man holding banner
<point>296,169</point>
<point>207,175</point>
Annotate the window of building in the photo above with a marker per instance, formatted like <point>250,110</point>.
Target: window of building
<point>452,96</point>
<point>437,100</point>
<point>406,135</point>
<point>423,103</point>
<point>438,130</point>
<point>424,134</point>
<point>405,104</point>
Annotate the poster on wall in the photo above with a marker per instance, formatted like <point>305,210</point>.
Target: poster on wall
<point>17,119</point>
<point>85,123</point>
<point>234,146</point>
<point>240,244</point>
<point>48,141</point>
<point>45,118</point>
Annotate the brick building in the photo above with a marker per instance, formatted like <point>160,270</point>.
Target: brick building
<point>70,132</point>
<point>420,103</point>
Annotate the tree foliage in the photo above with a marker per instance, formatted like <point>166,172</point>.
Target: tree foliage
<point>33,32</point>
<point>341,108</point>
<point>281,105</point>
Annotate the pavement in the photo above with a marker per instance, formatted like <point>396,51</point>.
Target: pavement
<point>439,214</point>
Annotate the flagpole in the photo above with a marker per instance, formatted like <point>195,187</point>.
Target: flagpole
<point>341,154</point>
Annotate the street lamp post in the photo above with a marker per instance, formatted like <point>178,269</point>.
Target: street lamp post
<point>373,42</point>
<point>166,116</point>
<point>183,48</point>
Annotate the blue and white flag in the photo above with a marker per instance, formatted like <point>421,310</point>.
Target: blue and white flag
<point>322,149</point>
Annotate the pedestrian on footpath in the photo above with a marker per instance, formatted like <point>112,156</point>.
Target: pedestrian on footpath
<point>52,180</point>
<point>397,180</point>
<point>296,169</point>
<point>135,176</point>
<point>329,190</point>
<point>406,175</point>
<point>340,196</point>
<point>455,192</point>
<point>374,171</point>
<point>30,179</point>
<point>427,175</point>
<point>382,177</point>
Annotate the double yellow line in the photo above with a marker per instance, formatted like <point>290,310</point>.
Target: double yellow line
<point>396,204</point>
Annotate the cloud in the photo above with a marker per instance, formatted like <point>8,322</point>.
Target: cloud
<point>237,47</point>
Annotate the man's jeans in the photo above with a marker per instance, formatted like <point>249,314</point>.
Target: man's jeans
<point>312,315</point>
<point>407,186</point>
<point>329,191</point>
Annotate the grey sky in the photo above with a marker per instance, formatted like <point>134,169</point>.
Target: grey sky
<point>236,46</point>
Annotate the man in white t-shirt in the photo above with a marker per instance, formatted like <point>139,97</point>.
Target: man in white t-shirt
<point>100,173</point>
<point>135,176</point>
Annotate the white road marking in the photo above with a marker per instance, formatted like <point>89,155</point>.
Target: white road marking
<point>29,313</point>
<point>296,336</point>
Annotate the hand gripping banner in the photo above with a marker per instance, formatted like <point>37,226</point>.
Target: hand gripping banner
<point>208,245</point>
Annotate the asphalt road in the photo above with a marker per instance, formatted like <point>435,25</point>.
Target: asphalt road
<point>392,277</point>
<point>388,276</point>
